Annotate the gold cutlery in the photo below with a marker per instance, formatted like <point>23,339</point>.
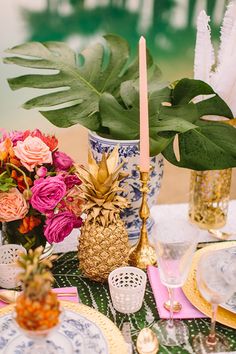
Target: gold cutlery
<point>147,342</point>
<point>10,296</point>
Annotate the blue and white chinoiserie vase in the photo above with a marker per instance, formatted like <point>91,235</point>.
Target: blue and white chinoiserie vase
<point>129,151</point>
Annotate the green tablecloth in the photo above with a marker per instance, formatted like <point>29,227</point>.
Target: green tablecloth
<point>96,295</point>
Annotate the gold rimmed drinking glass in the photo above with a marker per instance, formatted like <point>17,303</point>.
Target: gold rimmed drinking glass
<point>174,248</point>
<point>216,281</point>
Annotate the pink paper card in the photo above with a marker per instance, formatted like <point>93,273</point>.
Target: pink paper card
<point>160,293</point>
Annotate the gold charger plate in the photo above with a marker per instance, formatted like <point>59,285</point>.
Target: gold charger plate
<point>113,336</point>
<point>192,293</point>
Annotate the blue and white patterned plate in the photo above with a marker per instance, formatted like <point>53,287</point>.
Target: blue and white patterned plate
<point>83,335</point>
<point>83,331</point>
<point>230,305</point>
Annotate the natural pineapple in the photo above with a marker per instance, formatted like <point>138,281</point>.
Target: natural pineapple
<point>103,243</point>
<point>37,308</point>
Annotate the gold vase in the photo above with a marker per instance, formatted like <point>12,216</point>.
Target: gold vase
<point>209,198</point>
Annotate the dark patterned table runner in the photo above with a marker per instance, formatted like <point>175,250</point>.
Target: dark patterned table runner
<point>96,295</point>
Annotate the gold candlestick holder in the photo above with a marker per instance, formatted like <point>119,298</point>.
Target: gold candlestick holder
<point>143,254</point>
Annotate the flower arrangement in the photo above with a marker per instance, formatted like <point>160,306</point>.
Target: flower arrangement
<point>39,198</point>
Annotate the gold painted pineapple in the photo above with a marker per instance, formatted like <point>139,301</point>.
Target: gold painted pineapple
<point>37,308</point>
<point>103,243</point>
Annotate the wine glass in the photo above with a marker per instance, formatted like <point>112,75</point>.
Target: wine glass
<point>216,280</point>
<point>174,248</point>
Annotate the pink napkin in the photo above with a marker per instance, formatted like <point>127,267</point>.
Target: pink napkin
<point>69,290</point>
<point>161,295</point>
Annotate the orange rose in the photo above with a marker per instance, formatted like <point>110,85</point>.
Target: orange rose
<point>13,205</point>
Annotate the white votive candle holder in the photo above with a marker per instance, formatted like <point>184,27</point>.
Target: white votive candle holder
<point>127,287</point>
<point>9,270</point>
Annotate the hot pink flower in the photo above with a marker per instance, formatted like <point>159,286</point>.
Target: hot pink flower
<point>32,152</point>
<point>62,161</point>
<point>14,136</point>
<point>41,171</point>
<point>71,181</point>
<point>60,226</point>
<point>47,193</point>
<point>13,205</point>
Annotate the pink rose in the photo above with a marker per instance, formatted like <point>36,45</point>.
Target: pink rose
<point>41,171</point>
<point>47,193</point>
<point>61,161</point>
<point>13,205</point>
<point>32,152</point>
<point>60,226</point>
<point>50,140</point>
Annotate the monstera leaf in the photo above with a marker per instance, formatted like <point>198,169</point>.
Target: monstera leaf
<point>81,85</point>
<point>211,146</point>
<point>202,144</point>
<point>99,90</point>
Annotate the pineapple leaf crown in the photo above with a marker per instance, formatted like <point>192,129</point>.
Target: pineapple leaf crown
<point>36,278</point>
<point>101,188</point>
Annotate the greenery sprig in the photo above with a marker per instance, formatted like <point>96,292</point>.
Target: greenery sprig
<point>6,182</point>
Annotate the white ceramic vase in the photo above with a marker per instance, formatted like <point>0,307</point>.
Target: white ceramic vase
<point>129,150</point>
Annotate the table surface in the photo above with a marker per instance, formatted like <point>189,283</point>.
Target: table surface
<point>157,212</point>
<point>96,295</point>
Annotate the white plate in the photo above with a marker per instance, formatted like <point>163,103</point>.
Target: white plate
<point>84,336</point>
<point>230,305</point>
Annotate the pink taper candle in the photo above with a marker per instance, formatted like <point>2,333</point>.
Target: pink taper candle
<point>143,107</point>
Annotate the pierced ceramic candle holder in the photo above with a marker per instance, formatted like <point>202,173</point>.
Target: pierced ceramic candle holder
<point>209,198</point>
<point>127,287</point>
<point>8,267</point>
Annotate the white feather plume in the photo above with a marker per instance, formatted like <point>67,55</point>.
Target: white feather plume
<point>226,31</point>
<point>204,52</point>
<point>223,80</point>
<point>223,68</point>
<point>226,84</point>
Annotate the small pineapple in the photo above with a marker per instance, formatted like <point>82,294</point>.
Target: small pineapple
<point>37,308</point>
<point>103,243</point>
